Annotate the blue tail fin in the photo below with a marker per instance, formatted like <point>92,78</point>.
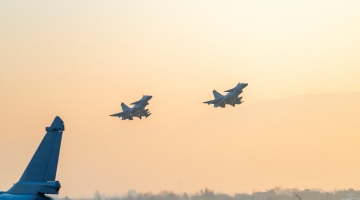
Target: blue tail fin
<point>39,176</point>
<point>217,95</point>
<point>124,107</point>
<point>43,164</point>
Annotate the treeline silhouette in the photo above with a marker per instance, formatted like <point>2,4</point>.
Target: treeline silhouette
<point>277,193</point>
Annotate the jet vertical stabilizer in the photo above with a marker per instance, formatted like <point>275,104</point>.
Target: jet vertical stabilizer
<point>39,176</point>
<point>217,95</point>
<point>124,107</point>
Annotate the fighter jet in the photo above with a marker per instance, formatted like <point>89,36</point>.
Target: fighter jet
<point>138,110</point>
<point>232,97</point>
<point>38,178</point>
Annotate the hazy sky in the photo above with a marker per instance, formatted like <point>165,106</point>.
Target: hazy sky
<point>81,59</point>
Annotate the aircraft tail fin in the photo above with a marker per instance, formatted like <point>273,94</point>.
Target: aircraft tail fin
<point>39,176</point>
<point>43,164</point>
<point>217,95</point>
<point>124,107</point>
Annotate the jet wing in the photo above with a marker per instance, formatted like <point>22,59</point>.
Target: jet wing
<point>209,102</point>
<point>117,115</point>
<point>229,90</point>
<point>233,90</point>
<point>122,115</point>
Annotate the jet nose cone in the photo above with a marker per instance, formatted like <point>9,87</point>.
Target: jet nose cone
<point>149,97</point>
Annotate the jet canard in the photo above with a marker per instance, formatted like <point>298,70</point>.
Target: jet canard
<point>39,176</point>
<point>138,110</point>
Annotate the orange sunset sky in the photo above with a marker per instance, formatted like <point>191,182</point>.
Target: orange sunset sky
<point>298,126</point>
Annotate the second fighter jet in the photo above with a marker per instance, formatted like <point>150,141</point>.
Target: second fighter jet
<point>138,110</point>
<point>232,97</point>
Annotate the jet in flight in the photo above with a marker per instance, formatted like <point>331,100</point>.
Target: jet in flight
<point>38,178</point>
<point>138,110</point>
<point>232,97</point>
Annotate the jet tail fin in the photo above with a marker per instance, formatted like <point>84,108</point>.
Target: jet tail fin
<point>43,164</point>
<point>124,107</point>
<point>217,95</point>
<point>39,176</point>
